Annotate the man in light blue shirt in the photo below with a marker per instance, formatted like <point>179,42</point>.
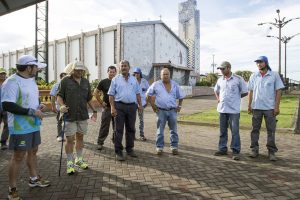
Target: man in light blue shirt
<point>163,95</point>
<point>144,85</point>
<point>124,96</point>
<point>55,107</point>
<point>264,99</point>
<point>228,90</point>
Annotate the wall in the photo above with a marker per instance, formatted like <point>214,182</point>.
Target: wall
<point>188,90</point>
<point>168,47</point>
<point>60,58</point>
<point>139,47</point>
<point>107,53</point>
<point>202,91</point>
<point>51,63</point>
<point>179,76</point>
<point>90,56</point>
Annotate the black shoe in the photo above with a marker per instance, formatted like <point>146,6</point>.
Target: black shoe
<point>220,153</point>
<point>142,138</point>
<point>4,147</point>
<point>132,154</point>
<point>120,157</point>
<point>100,146</point>
<point>253,154</point>
<point>235,156</point>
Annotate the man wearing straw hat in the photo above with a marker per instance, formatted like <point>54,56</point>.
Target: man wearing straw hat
<point>73,96</point>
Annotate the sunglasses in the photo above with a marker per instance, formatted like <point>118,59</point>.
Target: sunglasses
<point>221,69</point>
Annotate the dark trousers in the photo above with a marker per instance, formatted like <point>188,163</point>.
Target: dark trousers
<point>59,124</point>
<point>106,118</point>
<point>270,120</point>
<point>126,115</point>
<point>5,133</point>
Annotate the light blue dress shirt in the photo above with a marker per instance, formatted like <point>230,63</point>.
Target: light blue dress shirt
<point>144,85</point>
<point>124,90</point>
<point>264,89</point>
<point>163,98</point>
<point>230,91</point>
<point>53,92</point>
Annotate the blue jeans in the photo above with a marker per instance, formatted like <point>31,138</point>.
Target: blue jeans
<point>233,120</point>
<point>162,118</point>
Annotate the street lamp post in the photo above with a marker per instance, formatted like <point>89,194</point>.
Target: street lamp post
<point>279,23</point>
<point>285,40</point>
<point>213,63</point>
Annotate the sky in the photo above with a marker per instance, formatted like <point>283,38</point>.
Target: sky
<point>228,28</point>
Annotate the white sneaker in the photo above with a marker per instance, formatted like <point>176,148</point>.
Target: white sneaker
<point>159,151</point>
<point>59,139</point>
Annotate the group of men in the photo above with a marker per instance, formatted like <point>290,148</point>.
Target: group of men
<point>123,95</point>
<point>264,91</point>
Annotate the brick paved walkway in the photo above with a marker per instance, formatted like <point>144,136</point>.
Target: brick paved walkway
<point>194,174</point>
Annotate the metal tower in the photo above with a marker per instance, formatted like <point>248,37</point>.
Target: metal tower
<point>41,36</point>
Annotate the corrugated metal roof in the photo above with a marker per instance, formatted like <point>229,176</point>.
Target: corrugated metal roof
<point>8,6</point>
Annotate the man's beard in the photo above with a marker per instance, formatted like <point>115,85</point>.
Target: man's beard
<point>263,68</point>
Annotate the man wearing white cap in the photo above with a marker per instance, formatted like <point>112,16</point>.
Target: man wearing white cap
<point>73,96</point>
<point>20,98</point>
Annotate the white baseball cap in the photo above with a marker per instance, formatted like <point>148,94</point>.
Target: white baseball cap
<point>30,60</point>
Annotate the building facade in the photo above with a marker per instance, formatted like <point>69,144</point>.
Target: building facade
<point>143,44</point>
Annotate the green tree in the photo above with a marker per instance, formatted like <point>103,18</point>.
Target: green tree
<point>203,82</point>
<point>245,74</point>
<point>212,78</point>
<point>12,71</point>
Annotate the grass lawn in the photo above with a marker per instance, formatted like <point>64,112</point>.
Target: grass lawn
<point>285,119</point>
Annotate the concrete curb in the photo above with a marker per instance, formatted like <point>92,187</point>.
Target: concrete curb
<point>281,130</point>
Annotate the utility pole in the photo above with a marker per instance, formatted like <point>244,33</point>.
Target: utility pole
<point>279,23</point>
<point>213,63</point>
<point>285,40</point>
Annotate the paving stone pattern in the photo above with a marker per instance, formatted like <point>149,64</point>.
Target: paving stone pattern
<point>193,174</point>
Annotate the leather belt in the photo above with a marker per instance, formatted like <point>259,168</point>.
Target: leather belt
<point>166,109</point>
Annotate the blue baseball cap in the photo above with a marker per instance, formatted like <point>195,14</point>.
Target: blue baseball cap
<point>137,70</point>
<point>262,58</point>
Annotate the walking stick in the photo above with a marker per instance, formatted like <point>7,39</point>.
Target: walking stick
<point>114,129</point>
<point>62,142</point>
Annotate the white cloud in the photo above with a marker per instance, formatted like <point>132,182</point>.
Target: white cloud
<point>237,38</point>
<point>240,41</point>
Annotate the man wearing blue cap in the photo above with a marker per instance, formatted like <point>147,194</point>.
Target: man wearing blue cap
<point>144,85</point>
<point>264,99</point>
<point>20,98</point>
